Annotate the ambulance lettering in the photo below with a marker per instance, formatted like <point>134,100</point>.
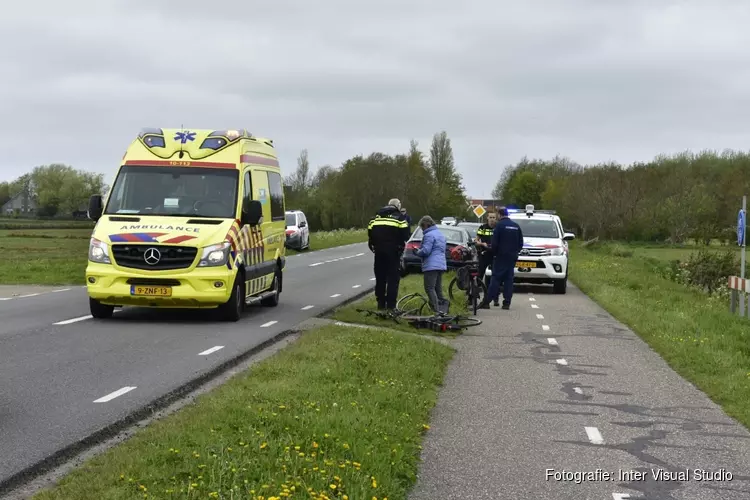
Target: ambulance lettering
<point>142,227</point>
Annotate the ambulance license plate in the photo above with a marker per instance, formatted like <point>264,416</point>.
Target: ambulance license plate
<point>151,291</point>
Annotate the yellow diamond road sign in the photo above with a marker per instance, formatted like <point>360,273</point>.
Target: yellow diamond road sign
<point>479,210</point>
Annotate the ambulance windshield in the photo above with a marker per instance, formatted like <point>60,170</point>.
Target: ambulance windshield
<point>174,191</point>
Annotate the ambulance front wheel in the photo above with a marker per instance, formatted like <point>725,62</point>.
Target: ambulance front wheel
<point>99,310</point>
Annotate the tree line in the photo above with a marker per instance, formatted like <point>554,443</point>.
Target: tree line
<point>349,196</point>
<point>55,190</point>
<point>669,199</point>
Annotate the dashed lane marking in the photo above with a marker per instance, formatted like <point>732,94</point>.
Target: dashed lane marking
<point>74,320</point>
<point>534,306</point>
<point>552,341</point>
<point>335,295</point>
<point>356,286</point>
<point>372,279</point>
<point>539,316</point>
<point>561,362</point>
<point>307,307</point>
<point>594,435</point>
<point>113,395</point>
<point>545,328</point>
<point>316,264</point>
<point>210,351</point>
<point>621,496</point>
<point>266,325</point>
<point>532,299</point>
<point>577,390</point>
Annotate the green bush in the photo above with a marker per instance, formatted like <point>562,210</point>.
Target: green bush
<point>706,269</point>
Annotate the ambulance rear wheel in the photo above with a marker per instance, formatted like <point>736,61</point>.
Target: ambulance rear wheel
<point>273,300</point>
<point>99,310</point>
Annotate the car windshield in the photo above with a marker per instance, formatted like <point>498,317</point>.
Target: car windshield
<point>174,191</point>
<point>538,228</point>
<point>454,236</point>
<point>291,219</point>
<point>471,228</point>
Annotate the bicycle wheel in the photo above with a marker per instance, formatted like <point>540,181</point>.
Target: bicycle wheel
<point>463,322</point>
<point>412,304</point>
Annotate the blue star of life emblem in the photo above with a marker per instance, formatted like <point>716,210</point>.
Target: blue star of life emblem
<point>183,137</point>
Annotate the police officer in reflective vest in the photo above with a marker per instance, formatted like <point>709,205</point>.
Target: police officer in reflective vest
<point>387,235</point>
<point>484,247</point>
<point>507,243</point>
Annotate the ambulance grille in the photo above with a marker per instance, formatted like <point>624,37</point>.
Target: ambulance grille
<point>171,257</point>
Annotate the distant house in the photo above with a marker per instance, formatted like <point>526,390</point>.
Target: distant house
<point>21,204</point>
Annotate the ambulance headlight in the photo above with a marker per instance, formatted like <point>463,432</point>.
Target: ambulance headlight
<point>99,252</point>
<point>215,255</point>
<point>557,251</point>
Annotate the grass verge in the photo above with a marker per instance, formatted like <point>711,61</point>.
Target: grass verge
<point>338,414</point>
<point>697,336</point>
<point>410,284</point>
<point>49,253</point>
<point>320,240</point>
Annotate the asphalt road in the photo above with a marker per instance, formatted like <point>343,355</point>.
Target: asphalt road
<point>557,383</point>
<point>64,375</point>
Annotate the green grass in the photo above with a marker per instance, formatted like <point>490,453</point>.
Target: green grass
<point>49,254</point>
<point>410,284</point>
<point>320,240</point>
<point>44,256</point>
<point>339,413</point>
<point>695,334</point>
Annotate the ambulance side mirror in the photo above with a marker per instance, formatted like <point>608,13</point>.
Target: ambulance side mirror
<point>96,207</point>
<point>252,212</point>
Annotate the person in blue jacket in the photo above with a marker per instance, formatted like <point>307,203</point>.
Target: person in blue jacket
<point>507,242</point>
<point>434,263</point>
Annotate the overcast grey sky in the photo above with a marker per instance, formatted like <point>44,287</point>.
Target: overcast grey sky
<point>595,80</point>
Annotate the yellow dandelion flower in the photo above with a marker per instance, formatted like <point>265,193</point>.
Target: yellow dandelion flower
<point>263,445</point>
<point>332,486</point>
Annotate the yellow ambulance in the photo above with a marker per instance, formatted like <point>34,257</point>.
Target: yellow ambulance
<point>194,219</point>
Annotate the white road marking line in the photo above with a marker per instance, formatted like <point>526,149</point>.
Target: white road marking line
<point>307,307</point>
<point>552,341</point>
<point>539,316</point>
<point>577,390</point>
<point>356,286</point>
<point>359,254</point>
<point>113,395</point>
<point>28,295</point>
<point>562,362</point>
<point>335,295</point>
<point>532,299</point>
<point>6,298</point>
<point>534,306</point>
<point>372,279</point>
<point>594,435</point>
<point>266,325</point>
<point>74,320</point>
<point>620,496</point>
<point>545,328</point>
<point>212,350</point>
<point>61,290</point>
<point>316,264</point>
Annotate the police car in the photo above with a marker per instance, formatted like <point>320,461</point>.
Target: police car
<point>544,257</point>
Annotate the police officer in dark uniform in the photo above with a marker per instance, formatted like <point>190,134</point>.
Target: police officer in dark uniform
<point>507,242</point>
<point>387,234</point>
<point>484,247</point>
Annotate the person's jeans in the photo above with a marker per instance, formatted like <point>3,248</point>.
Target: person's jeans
<point>502,273</point>
<point>433,287</point>
<point>387,278</point>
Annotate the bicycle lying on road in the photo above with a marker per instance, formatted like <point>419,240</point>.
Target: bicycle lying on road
<point>468,280</point>
<point>411,309</point>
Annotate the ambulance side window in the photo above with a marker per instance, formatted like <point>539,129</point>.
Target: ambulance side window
<point>248,191</point>
<point>277,196</point>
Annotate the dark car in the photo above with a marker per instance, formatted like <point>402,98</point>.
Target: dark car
<point>472,227</point>
<point>459,249</point>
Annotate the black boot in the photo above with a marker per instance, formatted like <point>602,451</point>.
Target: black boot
<point>484,304</point>
<point>506,306</point>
